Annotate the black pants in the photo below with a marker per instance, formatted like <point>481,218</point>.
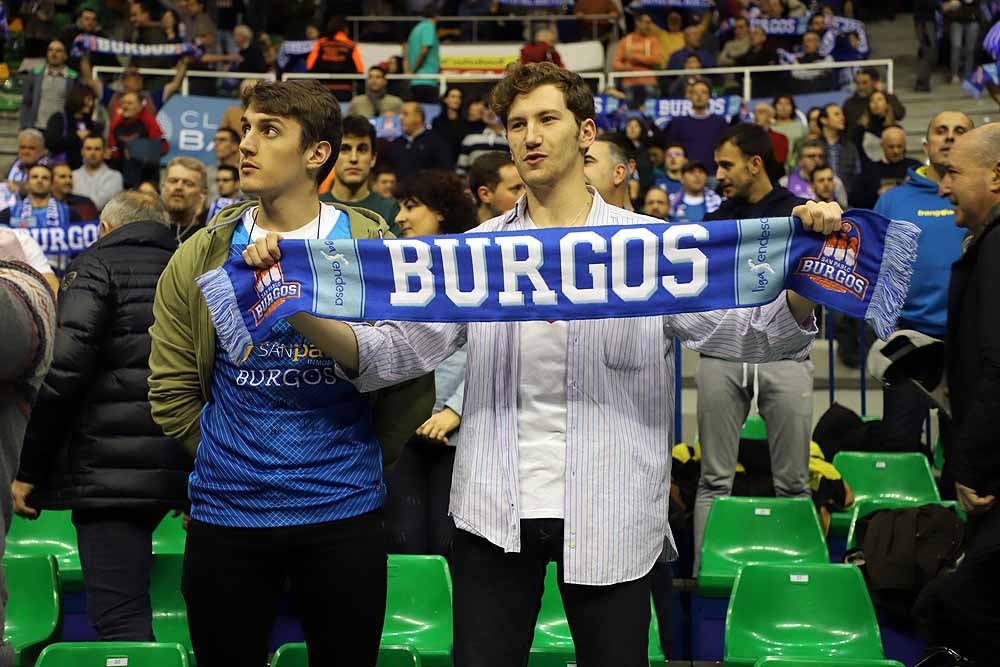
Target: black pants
<point>234,577</point>
<point>116,556</point>
<point>961,610</point>
<point>416,507</point>
<point>904,414</point>
<point>662,581</point>
<point>497,597</point>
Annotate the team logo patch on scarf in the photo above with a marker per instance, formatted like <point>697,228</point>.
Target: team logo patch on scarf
<point>595,272</point>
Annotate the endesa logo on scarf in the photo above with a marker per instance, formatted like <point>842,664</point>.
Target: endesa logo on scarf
<point>272,291</point>
<point>836,266</point>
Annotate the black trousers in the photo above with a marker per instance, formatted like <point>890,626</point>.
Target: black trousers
<point>416,505</point>
<point>497,597</point>
<point>234,577</point>
<point>116,556</point>
<point>904,413</point>
<point>961,610</point>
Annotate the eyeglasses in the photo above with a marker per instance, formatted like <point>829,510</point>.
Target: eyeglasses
<point>675,153</point>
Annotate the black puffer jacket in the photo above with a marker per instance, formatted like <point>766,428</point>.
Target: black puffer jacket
<point>91,442</point>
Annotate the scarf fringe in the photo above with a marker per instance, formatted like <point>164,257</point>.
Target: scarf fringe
<point>234,337</point>
<point>894,275</point>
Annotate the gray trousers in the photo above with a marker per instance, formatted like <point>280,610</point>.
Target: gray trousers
<point>785,400</point>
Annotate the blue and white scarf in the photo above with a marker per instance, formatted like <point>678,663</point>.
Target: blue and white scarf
<point>592,272</point>
<point>59,237</point>
<point>292,48</point>
<point>677,4</point>
<point>18,174</point>
<point>95,44</point>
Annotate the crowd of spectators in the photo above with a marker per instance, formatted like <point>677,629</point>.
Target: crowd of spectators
<point>83,141</point>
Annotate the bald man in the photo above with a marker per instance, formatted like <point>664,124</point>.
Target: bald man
<point>960,610</point>
<point>877,178</point>
<point>926,307</point>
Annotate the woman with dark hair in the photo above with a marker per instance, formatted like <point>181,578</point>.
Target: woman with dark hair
<point>877,116</point>
<point>66,129</point>
<point>171,24</point>
<point>451,123</point>
<point>787,122</point>
<point>416,508</point>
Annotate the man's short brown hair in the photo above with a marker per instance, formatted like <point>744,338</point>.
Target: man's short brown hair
<point>522,79</point>
<point>310,104</point>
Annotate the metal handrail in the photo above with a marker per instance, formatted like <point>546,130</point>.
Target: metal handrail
<point>204,74</point>
<point>748,70</point>
<point>476,20</point>
<point>443,78</point>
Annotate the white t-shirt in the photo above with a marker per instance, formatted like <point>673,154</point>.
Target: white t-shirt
<point>541,419</point>
<point>317,228</point>
<point>33,254</point>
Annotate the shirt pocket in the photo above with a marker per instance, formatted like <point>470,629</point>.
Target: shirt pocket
<point>630,344</point>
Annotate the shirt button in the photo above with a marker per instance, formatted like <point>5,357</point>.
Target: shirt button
<point>572,545</point>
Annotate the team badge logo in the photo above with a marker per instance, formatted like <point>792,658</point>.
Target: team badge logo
<point>835,268</point>
<point>272,291</point>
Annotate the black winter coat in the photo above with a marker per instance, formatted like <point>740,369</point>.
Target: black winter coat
<point>973,361</point>
<point>91,442</point>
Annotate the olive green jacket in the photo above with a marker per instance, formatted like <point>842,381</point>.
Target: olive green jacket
<point>183,342</point>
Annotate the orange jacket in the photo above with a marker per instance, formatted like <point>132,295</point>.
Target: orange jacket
<point>337,55</point>
<point>637,52</point>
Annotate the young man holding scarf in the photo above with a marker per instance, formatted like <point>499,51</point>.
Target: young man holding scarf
<point>287,482</point>
<point>726,386</point>
<point>51,222</point>
<point>568,423</point>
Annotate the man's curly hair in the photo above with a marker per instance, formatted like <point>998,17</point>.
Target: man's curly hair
<point>522,79</point>
<point>443,192</point>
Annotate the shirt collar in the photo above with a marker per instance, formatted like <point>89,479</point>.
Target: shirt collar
<point>520,209</point>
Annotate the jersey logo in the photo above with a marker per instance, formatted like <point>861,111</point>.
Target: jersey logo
<point>272,291</point>
<point>834,269</point>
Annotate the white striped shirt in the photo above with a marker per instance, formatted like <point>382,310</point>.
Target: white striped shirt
<point>619,398</point>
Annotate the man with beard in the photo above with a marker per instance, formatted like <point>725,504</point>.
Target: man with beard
<point>354,164</point>
<point>184,191</point>
<point>49,221</point>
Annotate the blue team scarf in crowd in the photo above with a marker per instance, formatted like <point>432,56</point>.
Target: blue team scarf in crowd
<point>114,47</point>
<point>592,272</point>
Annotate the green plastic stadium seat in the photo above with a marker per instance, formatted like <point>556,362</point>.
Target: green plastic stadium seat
<point>754,428</point>
<point>52,533</point>
<point>800,611</point>
<point>898,477</point>
<point>553,643</point>
<point>418,608</point>
<point>169,610</point>
<point>865,507</point>
<point>294,655</point>
<point>102,654</point>
<point>741,531</point>
<point>807,662</point>
<point>169,537</point>
<point>33,606</point>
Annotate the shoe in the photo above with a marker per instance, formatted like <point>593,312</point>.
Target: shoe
<point>922,88</point>
<point>955,80</point>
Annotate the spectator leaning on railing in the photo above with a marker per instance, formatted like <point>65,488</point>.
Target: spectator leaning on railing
<point>46,88</point>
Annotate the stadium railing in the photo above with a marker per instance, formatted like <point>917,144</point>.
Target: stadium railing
<point>206,74</point>
<point>748,72</point>
<point>530,21</point>
<point>443,79</point>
